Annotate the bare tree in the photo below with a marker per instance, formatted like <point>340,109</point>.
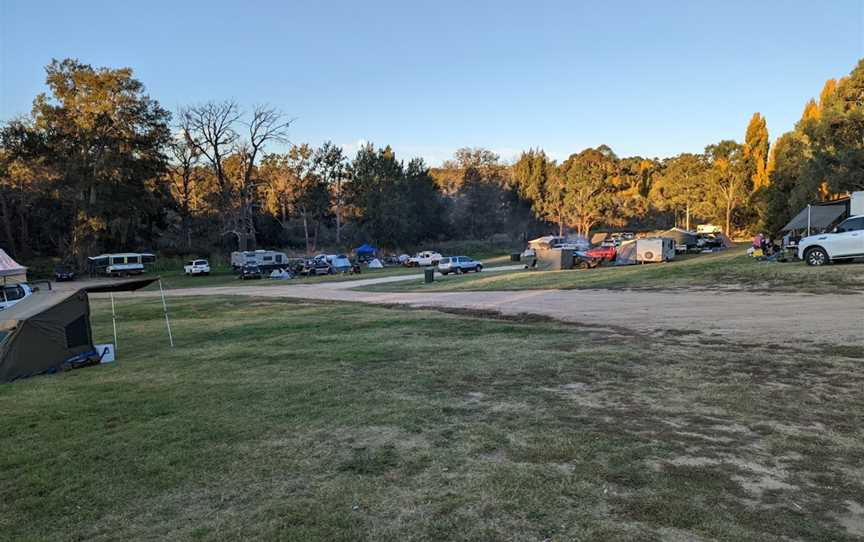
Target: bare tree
<point>211,129</point>
<point>266,125</point>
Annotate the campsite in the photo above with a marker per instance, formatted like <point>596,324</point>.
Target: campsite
<point>442,271</point>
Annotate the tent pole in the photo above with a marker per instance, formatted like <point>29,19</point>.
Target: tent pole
<point>165,310</point>
<point>114,321</point>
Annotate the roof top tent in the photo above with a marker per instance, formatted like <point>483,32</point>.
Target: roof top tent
<point>11,272</point>
<point>119,264</point>
<point>818,217</point>
<point>50,331</point>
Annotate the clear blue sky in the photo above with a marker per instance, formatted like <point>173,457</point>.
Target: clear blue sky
<point>650,78</point>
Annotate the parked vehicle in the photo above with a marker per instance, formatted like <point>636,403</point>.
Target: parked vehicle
<point>655,249</point>
<point>120,265</point>
<point>846,241</point>
<point>14,293</point>
<point>424,259</point>
<point>602,253</point>
<point>63,274</point>
<point>267,260</point>
<point>339,263</point>
<point>248,272</point>
<point>458,264</point>
<point>316,266</point>
<point>197,267</point>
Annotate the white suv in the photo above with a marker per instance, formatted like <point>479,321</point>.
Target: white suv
<point>458,264</point>
<point>197,267</point>
<point>10,294</point>
<point>845,242</point>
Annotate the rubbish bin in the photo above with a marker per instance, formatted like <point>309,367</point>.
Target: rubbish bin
<point>515,257</point>
<point>429,275</point>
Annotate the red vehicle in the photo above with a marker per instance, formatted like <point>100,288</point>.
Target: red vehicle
<point>601,253</point>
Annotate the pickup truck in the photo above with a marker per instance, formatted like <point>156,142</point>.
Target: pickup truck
<point>197,267</point>
<point>424,259</point>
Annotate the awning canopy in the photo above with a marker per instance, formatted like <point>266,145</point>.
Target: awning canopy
<point>821,216</point>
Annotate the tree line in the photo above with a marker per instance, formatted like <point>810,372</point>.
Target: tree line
<point>98,165</point>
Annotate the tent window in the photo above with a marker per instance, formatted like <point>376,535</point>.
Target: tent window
<point>76,333</point>
<point>3,335</point>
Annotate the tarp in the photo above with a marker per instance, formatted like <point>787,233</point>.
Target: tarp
<point>626,254</point>
<point>821,216</point>
<point>50,330</point>
<point>10,270</point>
<point>365,250</point>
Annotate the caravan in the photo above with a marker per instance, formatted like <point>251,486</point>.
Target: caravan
<point>119,265</point>
<point>265,260</point>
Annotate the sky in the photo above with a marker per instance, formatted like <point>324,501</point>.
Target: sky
<point>647,78</point>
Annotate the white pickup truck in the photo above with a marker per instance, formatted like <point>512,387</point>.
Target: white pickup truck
<point>424,259</point>
<point>197,267</point>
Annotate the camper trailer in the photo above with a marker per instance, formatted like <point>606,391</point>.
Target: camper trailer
<point>266,260</point>
<point>655,249</point>
<point>119,265</point>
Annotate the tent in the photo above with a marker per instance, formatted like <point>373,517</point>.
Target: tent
<point>681,237</point>
<point>10,270</point>
<point>50,331</point>
<point>821,216</point>
<point>365,250</point>
<point>626,253</point>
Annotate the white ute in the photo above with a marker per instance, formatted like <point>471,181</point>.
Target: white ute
<point>424,259</point>
<point>845,242</point>
<point>197,267</point>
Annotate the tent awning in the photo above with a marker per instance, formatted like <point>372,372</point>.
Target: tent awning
<point>9,267</point>
<point>821,216</point>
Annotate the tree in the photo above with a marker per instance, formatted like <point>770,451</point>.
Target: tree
<point>331,165</point>
<point>292,186</point>
<point>182,177</point>
<point>104,138</point>
<point>680,186</point>
<point>538,181</point>
<point>590,179</point>
<point>755,150</point>
<point>727,180</point>
<point>212,129</point>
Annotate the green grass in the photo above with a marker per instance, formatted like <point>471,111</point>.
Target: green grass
<point>303,421</point>
<point>731,269</point>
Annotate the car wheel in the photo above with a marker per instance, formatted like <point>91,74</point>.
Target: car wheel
<point>478,269</point>
<point>816,256</point>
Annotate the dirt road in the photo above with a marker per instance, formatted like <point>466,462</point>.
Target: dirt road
<point>798,320</point>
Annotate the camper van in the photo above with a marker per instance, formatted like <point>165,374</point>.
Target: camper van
<point>119,265</point>
<point>266,260</point>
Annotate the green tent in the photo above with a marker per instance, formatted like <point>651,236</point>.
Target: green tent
<point>50,331</point>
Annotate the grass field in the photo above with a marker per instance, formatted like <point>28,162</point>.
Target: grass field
<point>299,421</point>
<point>732,269</point>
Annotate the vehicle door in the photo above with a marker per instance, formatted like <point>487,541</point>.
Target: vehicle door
<point>849,238</point>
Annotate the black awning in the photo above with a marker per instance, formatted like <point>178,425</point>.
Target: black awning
<point>821,216</point>
<point>120,286</point>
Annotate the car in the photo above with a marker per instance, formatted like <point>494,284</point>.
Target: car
<point>846,241</point>
<point>458,264</point>
<point>250,272</point>
<point>316,266</point>
<point>197,267</point>
<point>424,259</point>
<point>602,253</point>
<point>63,274</point>
<point>14,293</point>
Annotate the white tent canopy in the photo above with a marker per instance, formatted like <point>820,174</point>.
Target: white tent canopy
<point>10,270</point>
